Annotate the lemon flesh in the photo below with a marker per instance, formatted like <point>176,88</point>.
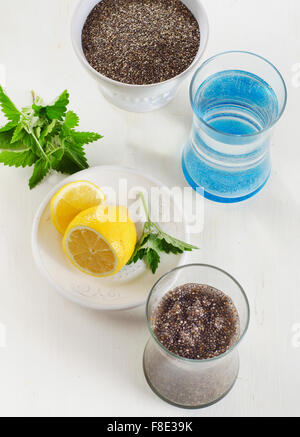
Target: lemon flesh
<point>101,240</point>
<point>71,199</point>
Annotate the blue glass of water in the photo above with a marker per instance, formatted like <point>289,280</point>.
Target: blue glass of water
<point>237,98</point>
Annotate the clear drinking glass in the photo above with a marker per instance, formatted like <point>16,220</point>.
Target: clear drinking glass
<point>237,98</point>
<point>193,383</point>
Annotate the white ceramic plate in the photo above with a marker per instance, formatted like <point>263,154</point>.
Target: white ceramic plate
<point>131,286</point>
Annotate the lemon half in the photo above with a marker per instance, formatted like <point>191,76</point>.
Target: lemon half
<point>101,240</point>
<point>71,199</point>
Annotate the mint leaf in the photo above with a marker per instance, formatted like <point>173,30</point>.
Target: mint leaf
<point>71,120</point>
<point>30,143</point>
<point>49,129</point>
<point>8,108</point>
<point>5,141</point>
<point>44,136</point>
<point>18,134</point>
<point>18,159</point>
<point>170,244</point>
<point>56,157</point>
<point>153,241</point>
<point>139,252</point>
<point>8,126</point>
<point>147,249</point>
<point>138,255</point>
<point>83,138</point>
<point>66,165</point>
<point>153,260</point>
<point>41,169</point>
<point>151,254</point>
<point>58,110</point>
<point>76,153</point>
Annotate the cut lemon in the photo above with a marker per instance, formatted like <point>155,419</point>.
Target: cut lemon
<point>100,240</point>
<point>71,199</point>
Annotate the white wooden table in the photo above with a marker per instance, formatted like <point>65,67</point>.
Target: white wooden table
<point>61,359</point>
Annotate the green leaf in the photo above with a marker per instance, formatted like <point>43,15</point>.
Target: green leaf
<point>30,142</point>
<point>37,109</point>
<point>139,255</point>
<point>56,157</point>
<point>58,154</point>
<point>43,135</point>
<point>71,120</point>
<point>147,248</point>
<point>9,126</point>
<point>140,251</point>
<point>58,110</point>
<point>170,244</point>
<point>66,165</point>
<point>5,140</point>
<point>18,159</point>
<point>41,169</point>
<point>83,138</point>
<point>153,260</point>
<point>153,241</point>
<point>8,108</point>
<point>76,153</point>
<point>18,134</point>
<point>49,129</point>
<point>166,247</point>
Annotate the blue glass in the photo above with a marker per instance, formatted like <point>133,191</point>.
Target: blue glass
<point>235,109</point>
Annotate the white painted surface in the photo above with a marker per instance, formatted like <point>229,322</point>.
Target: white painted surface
<point>61,359</point>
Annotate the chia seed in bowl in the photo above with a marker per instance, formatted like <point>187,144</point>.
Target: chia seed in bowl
<point>140,42</point>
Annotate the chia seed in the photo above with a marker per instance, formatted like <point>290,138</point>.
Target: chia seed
<point>140,42</point>
<point>196,322</point>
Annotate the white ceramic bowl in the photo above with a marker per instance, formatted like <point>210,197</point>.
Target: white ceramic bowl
<point>138,98</point>
<point>130,287</point>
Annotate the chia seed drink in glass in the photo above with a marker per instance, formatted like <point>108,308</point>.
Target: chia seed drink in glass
<point>191,360</point>
<point>237,99</point>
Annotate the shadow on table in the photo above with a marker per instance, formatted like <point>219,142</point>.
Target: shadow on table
<point>122,359</point>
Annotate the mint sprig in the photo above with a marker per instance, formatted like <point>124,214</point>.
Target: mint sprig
<point>153,241</point>
<point>9,109</point>
<point>43,136</point>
